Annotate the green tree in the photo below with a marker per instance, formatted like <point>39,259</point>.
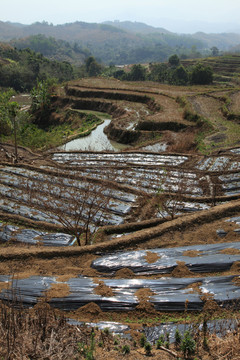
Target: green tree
<point>158,72</point>
<point>201,75</point>
<point>92,67</point>
<point>137,73</point>
<point>215,51</point>
<point>180,75</point>
<point>174,60</point>
<point>6,108</point>
<point>41,95</point>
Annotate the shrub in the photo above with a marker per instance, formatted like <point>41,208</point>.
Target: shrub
<point>201,75</point>
<point>148,349</point>
<point>188,344</point>
<point>125,349</point>
<point>143,340</point>
<point>160,341</point>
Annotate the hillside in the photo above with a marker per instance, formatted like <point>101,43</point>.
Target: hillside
<point>121,42</point>
<point>20,69</point>
<point>53,49</point>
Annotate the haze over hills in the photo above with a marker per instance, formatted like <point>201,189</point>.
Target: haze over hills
<point>121,42</point>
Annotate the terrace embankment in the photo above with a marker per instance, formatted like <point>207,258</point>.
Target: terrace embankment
<point>137,115</point>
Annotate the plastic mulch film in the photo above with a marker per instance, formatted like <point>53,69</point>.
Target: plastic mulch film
<point>218,327</point>
<point>114,327</point>
<point>198,258</point>
<point>125,159</point>
<point>170,294</point>
<point>34,237</point>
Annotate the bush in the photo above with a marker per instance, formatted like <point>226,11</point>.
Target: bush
<point>148,349</point>
<point>125,349</point>
<point>174,60</point>
<point>143,340</point>
<point>188,344</point>
<point>201,75</point>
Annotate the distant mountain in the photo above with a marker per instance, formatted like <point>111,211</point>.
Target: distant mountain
<point>121,42</point>
<point>136,27</point>
<point>223,41</point>
<point>192,26</point>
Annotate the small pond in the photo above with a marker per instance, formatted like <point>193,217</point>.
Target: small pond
<point>96,141</point>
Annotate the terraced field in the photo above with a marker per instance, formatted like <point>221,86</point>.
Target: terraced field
<point>159,230</point>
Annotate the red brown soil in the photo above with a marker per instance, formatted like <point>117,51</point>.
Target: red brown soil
<point>230,251</point>
<point>103,290</point>
<point>194,288</point>
<point>181,270</point>
<point>236,281</point>
<point>211,307</point>
<point>152,257</point>
<point>235,267</point>
<point>67,266</point>
<point>192,253</point>
<point>144,294</point>
<point>57,291</point>
<point>145,307</point>
<point>7,154</point>
<point>90,309</point>
<point>4,285</point>
<point>124,273</point>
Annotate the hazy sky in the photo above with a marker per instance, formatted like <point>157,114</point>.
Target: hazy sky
<point>159,13</point>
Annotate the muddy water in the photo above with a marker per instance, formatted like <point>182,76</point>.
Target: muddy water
<point>96,141</point>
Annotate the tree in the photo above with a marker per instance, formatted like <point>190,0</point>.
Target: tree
<point>172,192</point>
<point>180,75</point>
<point>75,202</point>
<point>201,75</point>
<point>174,60</point>
<point>137,73</point>
<point>158,72</point>
<point>92,67</point>
<point>5,118</point>
<point>215,51</point>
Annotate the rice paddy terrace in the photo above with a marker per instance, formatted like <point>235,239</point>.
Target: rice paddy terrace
<point>166,224</point>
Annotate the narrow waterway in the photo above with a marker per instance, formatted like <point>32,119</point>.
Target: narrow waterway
<point>96,141</point>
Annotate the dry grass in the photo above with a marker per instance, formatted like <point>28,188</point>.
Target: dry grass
<point>226,348</point>
<point>42,333</point>
<point>235,106</point>
<point>180,142</point>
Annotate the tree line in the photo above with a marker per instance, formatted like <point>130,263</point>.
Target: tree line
<point>172,72</point>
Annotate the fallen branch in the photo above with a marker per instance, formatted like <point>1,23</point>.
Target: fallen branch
<point>173,353</point>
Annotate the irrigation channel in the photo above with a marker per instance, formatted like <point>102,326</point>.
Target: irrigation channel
<point>112,183</point>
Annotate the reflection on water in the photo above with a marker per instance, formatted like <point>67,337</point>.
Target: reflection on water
<point>96,141</point>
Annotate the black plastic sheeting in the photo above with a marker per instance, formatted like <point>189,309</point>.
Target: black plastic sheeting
<point>25,291</point>
<point>113,327</point>
<point>222,233</point>
<point>34,237</point>
<point>152,333</point>
<point>171,294</point>
<point>210,259</point>
<point>218,327</point>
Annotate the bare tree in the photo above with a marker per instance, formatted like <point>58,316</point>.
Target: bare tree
<point>172,192</point>
<point>78,203</point>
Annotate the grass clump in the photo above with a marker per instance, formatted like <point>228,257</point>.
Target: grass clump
<point>126,349</point>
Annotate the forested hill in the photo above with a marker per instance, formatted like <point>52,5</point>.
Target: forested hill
<point>21,69</point>
<point>118,42</point>
<point>53,49</point>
